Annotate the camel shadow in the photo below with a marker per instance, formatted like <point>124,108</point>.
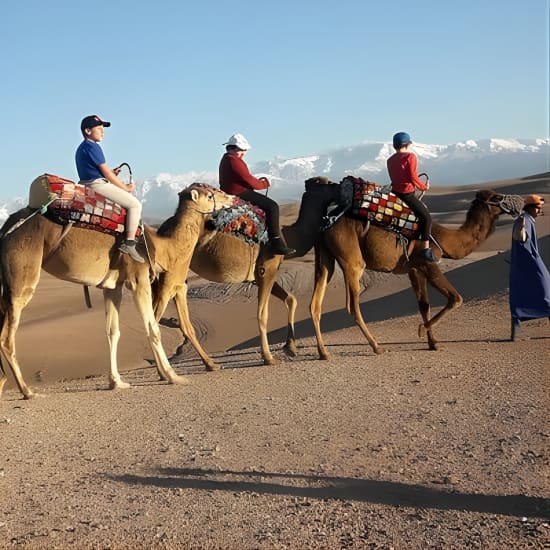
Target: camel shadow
<point>390,493</point>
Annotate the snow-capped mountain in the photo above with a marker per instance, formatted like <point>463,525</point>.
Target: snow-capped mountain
<point>463,163</point>
<point>457,164</point>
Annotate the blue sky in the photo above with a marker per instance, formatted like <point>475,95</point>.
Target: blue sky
<point>176,78</point>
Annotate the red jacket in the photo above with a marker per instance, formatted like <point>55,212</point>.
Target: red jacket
<point>235,177</point>
<point>402,170</point>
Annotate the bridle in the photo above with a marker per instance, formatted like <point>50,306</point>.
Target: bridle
<point>212,196</point>
<point>510,204</point>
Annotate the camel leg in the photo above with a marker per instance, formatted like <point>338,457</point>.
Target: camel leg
<point>11,320</point>
<point>163,291</point>
<point>16,295</point>
<point>112,299</point>
<point>188,330</point>
<point>143,301</point>
<point>3,379</point>
<point>291,304</point>
<point>352,278</point>
<point>438,281</point>
<point>324,269</point>
<point>265,279</point>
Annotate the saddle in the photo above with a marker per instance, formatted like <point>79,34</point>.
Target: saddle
<point>375,204</point>
<point>63,201</point>
<point>241,219</point>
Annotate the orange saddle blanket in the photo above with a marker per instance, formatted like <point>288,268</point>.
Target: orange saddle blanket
<point>77,203</point>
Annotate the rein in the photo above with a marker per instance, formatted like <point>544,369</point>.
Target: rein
<point>119,168</point>
<point>210,195</point>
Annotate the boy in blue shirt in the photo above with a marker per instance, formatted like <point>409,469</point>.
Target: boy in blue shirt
<point>94,171</point>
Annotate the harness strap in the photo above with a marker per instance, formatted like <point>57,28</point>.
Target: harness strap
<point>53,250</point>
<point>407,245</point>
<point>19,223</point>
<point>366,228</point>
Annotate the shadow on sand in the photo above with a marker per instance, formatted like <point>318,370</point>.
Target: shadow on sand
<point>342,488</point>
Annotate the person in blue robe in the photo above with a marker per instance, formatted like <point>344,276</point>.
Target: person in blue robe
<point>529,276</point>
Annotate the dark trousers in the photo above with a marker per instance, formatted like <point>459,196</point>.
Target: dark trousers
<point>419,208</point>
<point>269,206</point>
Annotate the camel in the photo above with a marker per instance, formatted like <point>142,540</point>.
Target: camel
<point>89,257</point>
<point>357,248</point>
<point>221,257</point>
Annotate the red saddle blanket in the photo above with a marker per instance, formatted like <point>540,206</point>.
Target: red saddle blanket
<point>81,205</point>
<point>374,203</point>
<point>241,219</point>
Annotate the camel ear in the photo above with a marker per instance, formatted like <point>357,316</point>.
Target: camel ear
<point>194,195</point>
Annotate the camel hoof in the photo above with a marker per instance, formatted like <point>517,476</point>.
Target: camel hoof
<point>379,351</point>
<point>179,380</point>
<point>34,395</point>
<point>324,356</point>
<point>213,367</point>
<point>290,350</point>
<point>118,385</point>
<point>271,362</point>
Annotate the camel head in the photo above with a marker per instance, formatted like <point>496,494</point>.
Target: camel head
<point>205,198</point>
<point>499,204</point>
<point>313,183</point>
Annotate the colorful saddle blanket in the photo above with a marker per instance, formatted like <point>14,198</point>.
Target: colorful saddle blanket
<point>76,203</point>
<point>241,219</point>
<point>374,203</point>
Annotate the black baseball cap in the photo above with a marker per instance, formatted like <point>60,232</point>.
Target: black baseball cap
<point>91,121</point>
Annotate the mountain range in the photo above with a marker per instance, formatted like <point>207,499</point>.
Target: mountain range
<point>462,163</point>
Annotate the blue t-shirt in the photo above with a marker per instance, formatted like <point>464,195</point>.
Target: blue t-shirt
<point>88,157</point>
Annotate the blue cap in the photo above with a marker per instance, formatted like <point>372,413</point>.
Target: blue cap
<point>400,139</point>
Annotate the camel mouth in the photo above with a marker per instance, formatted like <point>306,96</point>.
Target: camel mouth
<point>512,205</point>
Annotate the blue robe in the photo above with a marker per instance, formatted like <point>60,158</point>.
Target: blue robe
<point>529,277</point>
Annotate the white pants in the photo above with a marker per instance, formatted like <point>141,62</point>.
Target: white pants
<point>123,198</point>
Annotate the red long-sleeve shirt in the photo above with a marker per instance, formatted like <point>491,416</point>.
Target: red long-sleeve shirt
<point>402,170</point>
<point>235,177</point>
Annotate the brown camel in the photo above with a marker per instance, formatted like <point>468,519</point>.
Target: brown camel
<point>221,257</point>
<point>356,249</point>
<point>89,257</point>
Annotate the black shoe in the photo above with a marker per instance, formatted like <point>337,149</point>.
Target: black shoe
<point>278,247</point>
<point>428,256</point>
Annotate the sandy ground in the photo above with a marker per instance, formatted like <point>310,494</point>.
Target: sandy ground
<point>409,449</point>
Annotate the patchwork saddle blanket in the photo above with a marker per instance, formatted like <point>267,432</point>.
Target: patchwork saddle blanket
<point>376,204</point>
<point>68,201</point>
<point>241,219</point>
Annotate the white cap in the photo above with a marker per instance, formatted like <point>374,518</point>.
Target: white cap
<point>238,140</point>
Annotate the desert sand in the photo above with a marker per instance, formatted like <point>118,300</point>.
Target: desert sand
<point>409,449</point>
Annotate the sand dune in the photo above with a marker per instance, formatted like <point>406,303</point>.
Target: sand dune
<point>60,338</point>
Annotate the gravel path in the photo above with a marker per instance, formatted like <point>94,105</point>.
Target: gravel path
<point>410,449</point>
